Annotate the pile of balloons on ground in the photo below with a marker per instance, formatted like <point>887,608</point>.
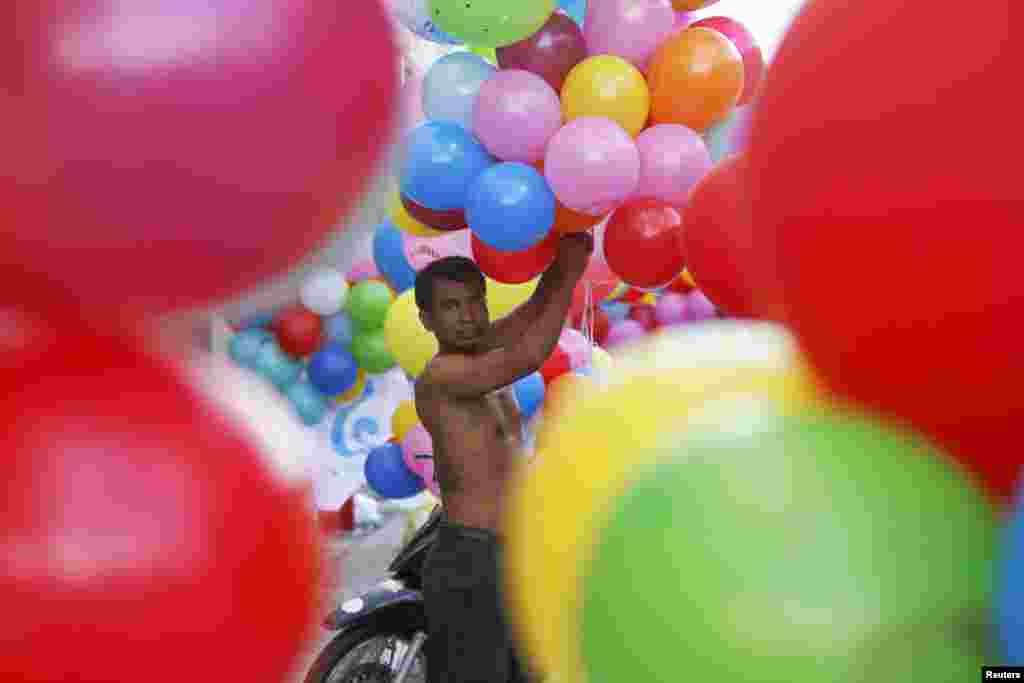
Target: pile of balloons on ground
<point>145,532</point>
<point>834,493</point>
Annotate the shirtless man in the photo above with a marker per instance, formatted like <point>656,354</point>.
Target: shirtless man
<point>464,399</point>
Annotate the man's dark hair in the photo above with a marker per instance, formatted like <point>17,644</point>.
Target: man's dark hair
<point>455,268</point>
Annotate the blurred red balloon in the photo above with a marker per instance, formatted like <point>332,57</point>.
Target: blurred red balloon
<point>551,52</point>
<point>557,364</point>
<point>643,243</point>
<point>868,197</point>
<point>717,237</point>
<point>632,295</point>
<point>645,315</point>
<point>143,537</point>
<point>299,331</point>
<point>515,267</point>
<point>743,39</point>
<point>455,219</point>
<point>601,323</point>
<point>170,153</point>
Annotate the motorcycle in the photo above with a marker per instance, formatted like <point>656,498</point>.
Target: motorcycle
<point>381,634</point>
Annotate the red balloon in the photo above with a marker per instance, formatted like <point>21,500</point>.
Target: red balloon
<point>643,243</point>
<point>864,203</point>
<point>454,219</point>
<point>515,267</point>
<point>557,364</point>
<point>166,154</point>
<point>632,295</point>
<point>551,52</point>
<point>743,39</point>
<point>299,331</point>
<point>601,323</point>
<point>718,238</point>
<point>141,531</point>
<point>645,315</point>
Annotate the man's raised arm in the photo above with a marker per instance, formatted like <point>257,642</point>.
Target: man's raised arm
<point>476,375</point>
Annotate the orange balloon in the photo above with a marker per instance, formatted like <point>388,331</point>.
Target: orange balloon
<point>691,5</point>
<point>696,78</point>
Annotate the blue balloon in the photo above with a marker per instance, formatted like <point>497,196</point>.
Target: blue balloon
<point>439,164</point>
<point>389,257</point>
<point>529,393</point>
<point>1010,605</point>
<point>388,475</point>
<point>339,328</point>
<point>244,347</point>
<point>308,402</point>
<point>333,369</point>
<point>577,9</point>
<point>510,207</point>
<point>257,320</point>
<point>277,366</point>
<point>451,86</point>
<point>616,310</point>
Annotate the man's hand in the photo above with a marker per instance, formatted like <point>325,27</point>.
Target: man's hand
<point>574,252</point>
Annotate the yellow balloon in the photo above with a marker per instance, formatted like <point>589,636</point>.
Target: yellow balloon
<point>649,298</point>
<point>607,86</point>
<point>619,290</point>
<point>409,342</point>
<point>404,419</point>
<point>406,223</point>
<point>357,389</point>
<point>597,437</point>
<point>413,346</point>
<point>601,360</point>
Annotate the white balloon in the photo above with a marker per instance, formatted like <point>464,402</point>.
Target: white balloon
<point>324,292</point>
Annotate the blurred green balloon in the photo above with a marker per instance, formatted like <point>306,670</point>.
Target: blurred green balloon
<point>368,304</point>
<point>371,351</point>
<point>819,547</point>
<point>488,53</point>
<point>491,23</point>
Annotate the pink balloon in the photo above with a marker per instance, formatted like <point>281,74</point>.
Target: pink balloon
<point>575,346</point>
<point>592,165</point>
<point>671,309</point>
<point>433,485</point>
<point>683,21</point>
<point>743,39</point>
<point>699,307</point>
<point>362,270</point>
<point>631,29</point>
<point>624,331</point>
<point>418,443</point>
<point>422,251</point>
<point>516,114</point>
<point>673,159</point>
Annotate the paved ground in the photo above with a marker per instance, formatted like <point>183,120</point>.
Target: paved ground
<point>363,562</point>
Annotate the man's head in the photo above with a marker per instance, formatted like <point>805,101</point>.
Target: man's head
<point>451,296</point>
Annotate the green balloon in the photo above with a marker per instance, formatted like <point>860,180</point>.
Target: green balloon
<point>817,547</point>
<point>491,23</point>
<point>371,351</point>
<point>487,53</point>
<point>368,304</point>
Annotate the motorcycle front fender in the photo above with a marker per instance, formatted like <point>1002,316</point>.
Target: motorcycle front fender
<point>389,598</point>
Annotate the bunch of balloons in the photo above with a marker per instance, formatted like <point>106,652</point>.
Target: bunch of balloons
<point>569,126</point>
<point>142,523</point>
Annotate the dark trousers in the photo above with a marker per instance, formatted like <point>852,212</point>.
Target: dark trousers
<point>469,638</point>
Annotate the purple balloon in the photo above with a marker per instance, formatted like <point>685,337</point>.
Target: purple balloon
<point>592,165</point>
<point>699,307</point>
<point>631,29</point>
<point>673,159</point>
<point>623,331</point>
<point>516,115</point>
<point>671,309</point>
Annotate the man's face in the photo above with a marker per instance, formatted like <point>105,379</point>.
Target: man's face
<point>458,317</point>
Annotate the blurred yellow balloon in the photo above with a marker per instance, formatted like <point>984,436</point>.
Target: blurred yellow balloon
<point>619,290</point>
<point>607,86</point>
<point>357,389</point>
<point>413,346</point>
<point>404,419</point>
<point>601,360</point>
<point>598,437</point>
<point>406,223</point>
<point>649,298</point>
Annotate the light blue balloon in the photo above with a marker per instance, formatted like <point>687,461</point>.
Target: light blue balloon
<point>244,347</point>
<point>731,135</point>
<point>510,207</point>
<point>576,9</point>
<point>338,328</point>
<point>277,366</point>
<point>451,86</point>
<point>389,257</point>
<point>308,402</point>
<point>616,310</point>
<point>529,393</point>
<point>440,162</point>
<point>257,320</point>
